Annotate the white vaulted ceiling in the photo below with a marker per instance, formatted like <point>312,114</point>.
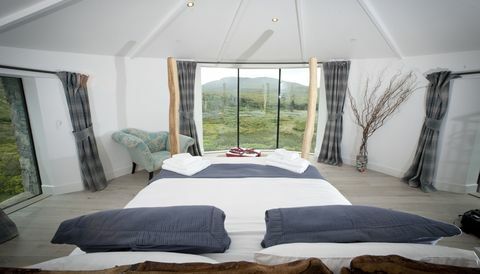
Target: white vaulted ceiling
<point>242,30</point>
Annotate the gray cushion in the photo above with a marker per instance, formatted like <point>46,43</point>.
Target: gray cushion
<point>187,229</point>
<point>347,223</point>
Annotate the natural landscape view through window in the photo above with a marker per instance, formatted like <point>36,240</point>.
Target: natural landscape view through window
<point>254,108</point>
<point>19,177</point>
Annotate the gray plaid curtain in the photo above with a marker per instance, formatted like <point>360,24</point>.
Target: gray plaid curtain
<point>186,81</point>
<point>421,172</point>
<point>336,82</point>
<point>75,86</point>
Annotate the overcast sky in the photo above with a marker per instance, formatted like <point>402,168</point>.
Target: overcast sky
<point>297,75</point>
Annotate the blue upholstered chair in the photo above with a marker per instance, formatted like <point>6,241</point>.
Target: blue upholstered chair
<point>148,149</point>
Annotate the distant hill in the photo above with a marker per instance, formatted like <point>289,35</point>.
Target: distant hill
<point>252,84</point>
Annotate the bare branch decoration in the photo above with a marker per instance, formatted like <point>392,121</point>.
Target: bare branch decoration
<point>379,101</point>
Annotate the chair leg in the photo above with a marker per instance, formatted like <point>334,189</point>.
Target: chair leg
<point>150,175</point>
<point>133,167</point>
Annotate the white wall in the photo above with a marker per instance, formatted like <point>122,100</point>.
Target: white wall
<point>392,148</point>
<point>134,93</point>
<point>117,101</point>
<point>147,94</point>
<point>52,134</point>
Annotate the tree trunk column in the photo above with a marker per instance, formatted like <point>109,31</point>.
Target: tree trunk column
<point>312,105</point>
<point>173,120</point>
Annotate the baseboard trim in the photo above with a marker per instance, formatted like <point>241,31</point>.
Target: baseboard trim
<point>471,188</point>
<point>443,186</point>
<point>62,189</point>
<point>74,187</point>
<point>377,167</point>
<point>119,172</point>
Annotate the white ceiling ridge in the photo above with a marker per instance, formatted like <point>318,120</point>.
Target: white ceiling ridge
<point>29,12</point>
<point>233,25</point>
<point>301,34</point>
<point>159,28</point>
<point>372,14</point>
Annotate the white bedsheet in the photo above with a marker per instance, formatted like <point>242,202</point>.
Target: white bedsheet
<point>244,202</point>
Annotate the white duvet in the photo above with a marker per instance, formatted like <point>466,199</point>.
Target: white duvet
<point>244,202</point>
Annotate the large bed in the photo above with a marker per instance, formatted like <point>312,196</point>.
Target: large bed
<point>244,201</point>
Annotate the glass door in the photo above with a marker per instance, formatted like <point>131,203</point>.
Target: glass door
<point>19,176</point>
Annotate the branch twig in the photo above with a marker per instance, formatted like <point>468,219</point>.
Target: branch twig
<point>376,109</point>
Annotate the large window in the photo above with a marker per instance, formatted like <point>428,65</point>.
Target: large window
<point>293,108</point>
<point>219,107</point>
<point>19,176</point>
<point>259,108</point>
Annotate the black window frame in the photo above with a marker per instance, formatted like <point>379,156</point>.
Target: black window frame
<point>277,138</point>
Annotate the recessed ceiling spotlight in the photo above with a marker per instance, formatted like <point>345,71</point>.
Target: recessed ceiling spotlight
<point>274,19</point>
<point>190,4</point>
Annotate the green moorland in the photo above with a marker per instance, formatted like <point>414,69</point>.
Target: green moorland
<point>10,172</point>
<point>258,113</point>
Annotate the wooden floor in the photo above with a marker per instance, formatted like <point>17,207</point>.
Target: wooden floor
<point>38,222</point>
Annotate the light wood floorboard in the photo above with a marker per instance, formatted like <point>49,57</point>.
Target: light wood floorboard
<point>38,222</point>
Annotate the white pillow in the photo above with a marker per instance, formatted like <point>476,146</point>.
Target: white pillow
<point>338,255</point>
<point>104,260</point>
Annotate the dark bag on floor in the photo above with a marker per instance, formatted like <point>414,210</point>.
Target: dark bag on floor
<point>8,229</point>
<point>471,222</point>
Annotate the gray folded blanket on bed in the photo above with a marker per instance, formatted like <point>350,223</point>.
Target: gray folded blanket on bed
<point>187,229</point>
<point>348,224</point>
<point>243,171</point>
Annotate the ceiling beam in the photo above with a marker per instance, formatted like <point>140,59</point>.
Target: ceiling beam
<point>301,40</point>
<point>179,7</point>
<point>34,10</point>
<point>233,25</point>
<point>382,29</point>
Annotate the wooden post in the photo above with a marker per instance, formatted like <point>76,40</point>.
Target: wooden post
<point>312,104</point>
<point>173,119</point>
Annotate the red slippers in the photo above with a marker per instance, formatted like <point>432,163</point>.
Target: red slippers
<point>243,152</point>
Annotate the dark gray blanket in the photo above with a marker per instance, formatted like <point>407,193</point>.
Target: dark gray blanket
<point>349,224</point>
<point>187,229</point>
<point>243,171</point>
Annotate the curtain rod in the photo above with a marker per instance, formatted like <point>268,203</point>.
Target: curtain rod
<point>460,73</point>
<point>250,63</point>
<point>29,69</point>
<point>469,72</point>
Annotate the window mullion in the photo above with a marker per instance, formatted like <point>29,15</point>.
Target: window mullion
<point>278,106</point>
<point>238,107</point>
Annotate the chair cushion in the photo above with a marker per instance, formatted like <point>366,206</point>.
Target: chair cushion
<point>136,132</point>
<point>158,158</point>
<point>157,141</point>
